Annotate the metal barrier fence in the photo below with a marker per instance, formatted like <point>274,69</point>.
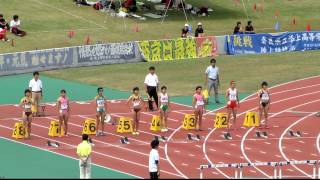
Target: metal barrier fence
<point>277,167</point>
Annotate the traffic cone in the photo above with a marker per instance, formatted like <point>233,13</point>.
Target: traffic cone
<point>87,40</point>
<point>308,28</point>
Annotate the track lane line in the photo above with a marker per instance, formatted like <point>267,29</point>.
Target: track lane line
<point>318,143</point>
<point>281,138</point>
<point>246,134</point>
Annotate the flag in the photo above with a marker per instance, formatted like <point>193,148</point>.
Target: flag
<point>277,26</point>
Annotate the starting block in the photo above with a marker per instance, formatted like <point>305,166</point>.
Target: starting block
<point>261,134</point>
<point>190,137</point>
<point>54,144</point>
<point>160,138</point>
<point>227,136</point>
<point>295,134</point>
<point>124,140</point>
<point>318,114</point>
<point>18,131</point>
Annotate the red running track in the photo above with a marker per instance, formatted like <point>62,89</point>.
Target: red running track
<point>293,106</point>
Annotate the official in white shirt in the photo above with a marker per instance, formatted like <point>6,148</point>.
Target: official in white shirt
<point>35,85</point>
<point>151,86</point>
<point>154,168</point>
<point>212,79</point>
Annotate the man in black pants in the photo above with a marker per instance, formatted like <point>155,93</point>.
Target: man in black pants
<point>151,85</point>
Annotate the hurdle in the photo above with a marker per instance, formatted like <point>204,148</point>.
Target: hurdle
<point>277,167</point>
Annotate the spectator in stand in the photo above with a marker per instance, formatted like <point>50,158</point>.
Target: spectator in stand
<point>249,28</point>
<point>3,34</point>
<point>238,28</point>
<point>185,31</point>
<point>3,23</point>
<point>130,5</point>
<point>15,26</point>
<point>199,31</point>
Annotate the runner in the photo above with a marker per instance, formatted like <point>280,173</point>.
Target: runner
<point>64,111</point>
<point>101,104</point>
<point>232,103</point>
<point>136,100</point>
<point>26,103</point>
<point>198,103</point>
<point>264,103</point>
<point>164,104</point>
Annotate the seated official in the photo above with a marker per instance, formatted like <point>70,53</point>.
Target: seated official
<point>15,27</point>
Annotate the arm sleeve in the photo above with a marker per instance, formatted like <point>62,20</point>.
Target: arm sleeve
<point>30,84</point>
<point>207,70</point>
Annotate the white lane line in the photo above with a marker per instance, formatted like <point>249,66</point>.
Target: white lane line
<point>318,143</point>
<point>263,152</point>
<point>227,154</point>
<point>283,134</point>
<point>106,155</point>
<point>245,136</point>
<point>267,143</point>
<point>298,150</point>
<point>302,142</point>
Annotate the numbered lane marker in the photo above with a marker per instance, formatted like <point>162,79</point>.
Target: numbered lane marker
<point>89,126</point>
<point>189,122</point>
<point>251,119</point>
<point>125,125</point>
<point>155,124</point>
<point>18,130</point>
<point>54,129</point>
<point>221,120</point>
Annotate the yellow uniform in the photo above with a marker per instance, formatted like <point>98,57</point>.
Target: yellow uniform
<point>84,150</point>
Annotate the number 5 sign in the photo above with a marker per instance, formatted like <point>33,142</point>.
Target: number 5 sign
<point>89,126</point>
<point>125,125</point>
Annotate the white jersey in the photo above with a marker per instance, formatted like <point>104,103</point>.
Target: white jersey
<point>164,98</point>
<point>233,94</point>
<point>264,95</point>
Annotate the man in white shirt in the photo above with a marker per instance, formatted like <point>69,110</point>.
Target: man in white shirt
<point>212,79</point>
<point>35,85</point>
<point>154,168</point>
<point>151,86</point>
<point>15,27</point>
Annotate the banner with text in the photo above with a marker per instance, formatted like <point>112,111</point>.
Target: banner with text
<point>182,48</point>
<point>88,55</point>
<point>268,43</point>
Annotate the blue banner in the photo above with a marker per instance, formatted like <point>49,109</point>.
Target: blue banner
<point>268,43</point>
<point>36,59</point>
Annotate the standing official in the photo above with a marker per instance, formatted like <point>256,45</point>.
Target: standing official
<point>151,86</point>
<point>84,152</point>
<point>35,85</point>
<point>212,79</point>
<point>154,167</point>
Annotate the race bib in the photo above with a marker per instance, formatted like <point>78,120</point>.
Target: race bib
<point>27,106</point>
<point>100,103</point>
<point>265,97</point>
<point>64,106</point>
<point>200,103</point>
<point>136,103</point>
<point>233,97</point>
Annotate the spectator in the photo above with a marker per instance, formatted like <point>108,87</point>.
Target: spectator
<point>238,28</point>
<point>3,23</point>
<point>15,26</point>
<point>199,31</point>
<point>3,35</point>
<point>249,28</point>
<point>131,5</point>
<point>185,31</point>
